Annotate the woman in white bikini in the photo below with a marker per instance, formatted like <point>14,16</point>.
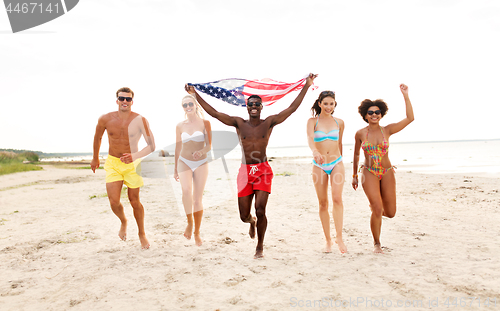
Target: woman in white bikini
<point>193,141</point>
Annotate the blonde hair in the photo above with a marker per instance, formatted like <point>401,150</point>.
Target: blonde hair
<point>199,110</point>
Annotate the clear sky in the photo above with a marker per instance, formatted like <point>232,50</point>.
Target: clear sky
<point>58,78</point>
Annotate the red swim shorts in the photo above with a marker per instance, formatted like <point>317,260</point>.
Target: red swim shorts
<point>254,177</point>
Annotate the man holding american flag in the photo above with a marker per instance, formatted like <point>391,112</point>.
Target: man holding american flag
<point>255,174</point>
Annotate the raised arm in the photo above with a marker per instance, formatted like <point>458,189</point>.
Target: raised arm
<point>396,127</point>
<point>222,117</point>
<point>99,131</point>
<point>282,116</point>
<point>355,160</point>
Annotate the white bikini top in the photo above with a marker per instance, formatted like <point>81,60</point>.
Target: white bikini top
<point>196,136</point>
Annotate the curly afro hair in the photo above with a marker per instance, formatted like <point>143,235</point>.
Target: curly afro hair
<point>367,103</point>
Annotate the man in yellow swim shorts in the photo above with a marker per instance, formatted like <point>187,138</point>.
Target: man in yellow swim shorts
<point>125,128</point>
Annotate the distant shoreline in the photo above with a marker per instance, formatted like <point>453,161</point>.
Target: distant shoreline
<point>86,154</point>
<point>411,142</point>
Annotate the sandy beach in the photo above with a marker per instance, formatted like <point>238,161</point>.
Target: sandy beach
<point>59,248</point>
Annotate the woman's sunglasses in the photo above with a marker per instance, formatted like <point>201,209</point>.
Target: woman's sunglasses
<point>188,104</point>
<point>326,93</point>
<point>377,112</point>
<point>121,98</point>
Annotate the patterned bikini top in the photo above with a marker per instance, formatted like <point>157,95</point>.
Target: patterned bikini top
<point>321,136</point>
<point>196,136</point>
<point>376,152</point>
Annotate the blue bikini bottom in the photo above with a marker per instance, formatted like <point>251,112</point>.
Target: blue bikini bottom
<point>328,167</point>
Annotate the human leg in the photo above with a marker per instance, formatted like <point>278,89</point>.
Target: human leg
<point>186,180</point>
<point>261,198</point>
<point>199,180</point>
<point>371,187</point>
<point>337,178</point>
<point>245,205</point>
<point>113,190</point>
<point>245,198</point>
<point>388,191</point>
<point>133,196</point>
<point>320,180</point>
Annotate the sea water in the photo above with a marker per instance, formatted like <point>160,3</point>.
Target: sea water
<point>478,156</point>
<point>475,156</point>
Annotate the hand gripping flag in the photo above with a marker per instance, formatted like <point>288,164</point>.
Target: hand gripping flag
<point>237,91</point>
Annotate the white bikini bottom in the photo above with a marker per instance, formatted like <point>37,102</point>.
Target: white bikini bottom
<point>192,164</point>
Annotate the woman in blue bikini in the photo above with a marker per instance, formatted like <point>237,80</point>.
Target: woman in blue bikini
<point>193,141</point>
<point>324,136</point>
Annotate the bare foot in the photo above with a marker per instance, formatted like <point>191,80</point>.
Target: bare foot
<point>123,231</point>
<point>198,239</point>
<point>377,249</point>
<point>341,245</point>
<point>144,242</point>
<point>328,247</point>
<point>188,231</point>
<point>251,232</point>
<point>259,254</point>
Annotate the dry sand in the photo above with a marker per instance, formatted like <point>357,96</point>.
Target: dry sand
<point>59,248</point>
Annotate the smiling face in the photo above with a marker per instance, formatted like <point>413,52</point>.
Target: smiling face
<point>125,101</point>
<point>254,107</point>
<point>189,106</point>
<point>327,105</point>
<point>373,115</point>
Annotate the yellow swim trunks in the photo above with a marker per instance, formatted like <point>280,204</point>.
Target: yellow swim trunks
<point>116,170</point>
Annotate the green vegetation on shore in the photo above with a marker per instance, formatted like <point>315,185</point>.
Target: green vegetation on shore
<point>12,162</point>
<point>49,155</point>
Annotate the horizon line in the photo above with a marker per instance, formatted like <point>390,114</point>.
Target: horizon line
<point>296,146</point>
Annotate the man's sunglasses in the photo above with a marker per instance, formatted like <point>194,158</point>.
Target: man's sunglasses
<point>188,104</point>
<point>257,104</point>
<point>377,112</point>
<point>121,98</point>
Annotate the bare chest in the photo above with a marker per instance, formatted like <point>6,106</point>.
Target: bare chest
<point>253,134</point>
<point>120,129</point>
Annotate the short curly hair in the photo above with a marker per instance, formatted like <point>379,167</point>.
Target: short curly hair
<point>367,103</point>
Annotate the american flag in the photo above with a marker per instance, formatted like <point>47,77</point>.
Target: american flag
<point>237,91</point>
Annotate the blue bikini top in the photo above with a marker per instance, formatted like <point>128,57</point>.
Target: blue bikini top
<point>321,136</point>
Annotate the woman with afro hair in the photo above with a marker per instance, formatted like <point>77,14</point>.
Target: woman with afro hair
<point>379,182</point>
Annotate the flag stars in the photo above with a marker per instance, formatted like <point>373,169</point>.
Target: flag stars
<point>230,90</point>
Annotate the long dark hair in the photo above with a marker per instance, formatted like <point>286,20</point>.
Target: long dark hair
<point>316,109</point>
